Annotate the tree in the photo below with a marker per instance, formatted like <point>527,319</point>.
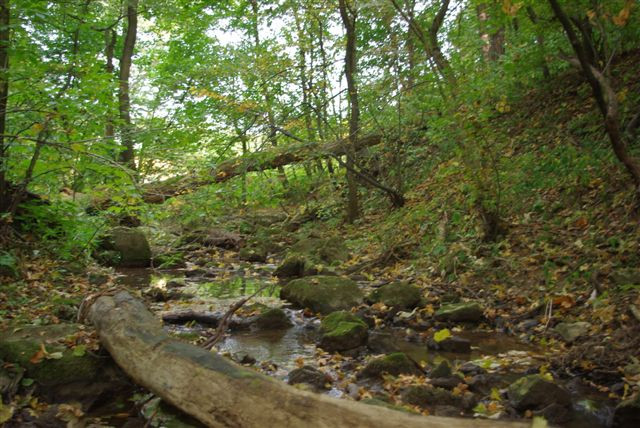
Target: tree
<point>349,15</point>
<point>5,34</point>
<point>127,156</point>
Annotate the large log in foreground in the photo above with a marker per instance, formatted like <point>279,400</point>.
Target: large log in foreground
<point>158,192</point>
<point>221,393</point>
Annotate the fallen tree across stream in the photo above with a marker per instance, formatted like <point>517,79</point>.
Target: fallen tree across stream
<point>158,192</point>
<point>221,393</point>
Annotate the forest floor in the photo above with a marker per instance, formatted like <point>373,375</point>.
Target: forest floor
<point>569,255</point>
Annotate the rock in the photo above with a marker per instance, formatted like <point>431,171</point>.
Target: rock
<point>400,295</point>
<point>160,414</point>
<point>293,266</point>
<point>341,331</point>
<point>10,377</point>
<point>65,374</point>
<point>394,364</point>
<point>429,396</point>
<point>176,283</point>
<point>534,392</point>
<point>460,312</point>
<point>254,254</point>
<point>446,382</point>
<point>131,245</point>
<point>273,318</point>
<point>572,331</point>
<point>627,413</point>
<point>309,375</point>
<point>381,342</point>
<point>454,344</point>
<point>322,250</point>
<point>471,368</point>
<point>442,370</point>
<point>216,238</point>
<point>322,293</point>
<point>555,413</point>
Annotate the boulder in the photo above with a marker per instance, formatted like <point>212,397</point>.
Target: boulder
<point>455,344</point>
<point>341,331</point>
<point>535,392</point>
<point>394,364</point>
<point>61,373</point>
<point>293,266</point>
<point>400,295</point>
<point>323,293</point>
<point>322,250</point>
<point>460,312</point>
<point>570,331</point>
<point>627,413</point>
<point>131,245</point>
<point>429,396</point>
<point>216,238</point>
<point>442,370</point>
<point>309,375</point>
<point>272,319</point>
<point>253,254</point>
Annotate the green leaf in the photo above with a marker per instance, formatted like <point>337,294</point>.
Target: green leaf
<point>54,356</point>
<point>441,335</point>
<point>27,381</point>
<point>79,351</point>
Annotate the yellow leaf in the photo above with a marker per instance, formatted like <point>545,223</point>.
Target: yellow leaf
<point>621,18</point>
<point>441,335</point>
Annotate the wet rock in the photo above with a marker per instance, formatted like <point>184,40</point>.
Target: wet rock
<point>456,345</point>
<point>130,244</point>
<point>471,368</point>
<point>255,254</point>
<point>527,325</point>
<point>483,383</point>
<point>273,318</point>
<point>441,370</point>
<point>309,375</point>
<point>381,343</point>
<point>399,295</point>
<point>341,331</point>
<point>446,382</point>
<point>627,413</point>
<point>394,364</point>
<point>322,250</point>
<point>429,396</point>
<point>570,331</point>
<point>65,374</point>
<point>293,266</point>
<point>216,238</point>
<point>176,283</point>
<point>555,413</point>
<point>460,312</point>
<point>322,293</point>
<point>534,392</point>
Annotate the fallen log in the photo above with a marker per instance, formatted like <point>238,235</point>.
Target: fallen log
<point>158,192</point>
<point>221,393</point>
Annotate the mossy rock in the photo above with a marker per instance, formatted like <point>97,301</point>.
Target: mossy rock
<point>322,250</point>
<point>341,331</point>
<point>130,244</point>
<point>253,254</point>
<point>627,413</point>
<point>394,364</point>
<point>323,293</point>
<point>293,266</point>
<point>536,392</point>
<point>429,396</point>
<point>272,319</point>
<point>460,312</point>
<point>397,294</point>
<point>19,345</point>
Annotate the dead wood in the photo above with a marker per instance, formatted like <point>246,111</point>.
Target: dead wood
<point>221,393</point>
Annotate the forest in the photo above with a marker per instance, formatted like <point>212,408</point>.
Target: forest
<point>320,213</point>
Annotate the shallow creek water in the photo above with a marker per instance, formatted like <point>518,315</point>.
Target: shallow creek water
<point>280,351</point>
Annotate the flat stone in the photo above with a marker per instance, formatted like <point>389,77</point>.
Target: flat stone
<point>309,375</point>
<point>571,331</point>
<point>323,293</point>
<point>535,392</point>
<point>460,312</point>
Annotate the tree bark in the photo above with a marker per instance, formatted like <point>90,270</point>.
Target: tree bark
<point>5,35</point>
<point>158,192</point>
<point>127,156</point>
<point>110,44</point>
<point>349,18</point>
<point>220,393</point>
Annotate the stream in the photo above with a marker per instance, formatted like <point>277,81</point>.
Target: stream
<point>503,358</point>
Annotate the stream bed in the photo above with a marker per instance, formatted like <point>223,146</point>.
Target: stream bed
<point>500,358</point>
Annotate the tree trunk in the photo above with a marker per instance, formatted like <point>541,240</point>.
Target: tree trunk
<point>124,101</point>
<point>533,17</point>
<point>349,18</point>
<point>110,39</point>
<point>220,393</point>
<point>5,34</point>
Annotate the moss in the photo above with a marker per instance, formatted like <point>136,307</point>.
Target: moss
<point>342,331</point>
<point>460,312</point>
<point>322,293</point>
<point>19,346</point>
<point>273,318</point>
<point>397,294</point>
<point>393,364</point>
<point>332,321</point>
